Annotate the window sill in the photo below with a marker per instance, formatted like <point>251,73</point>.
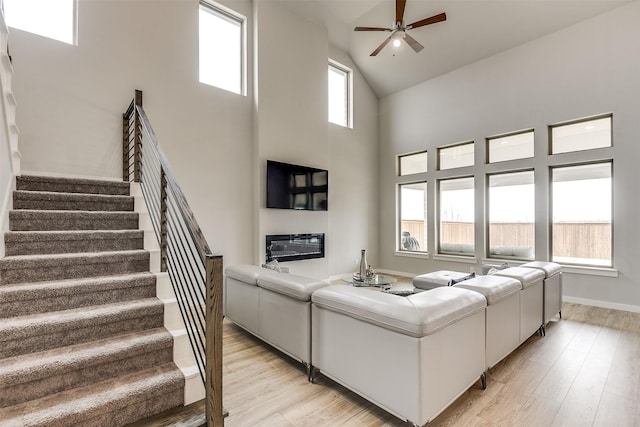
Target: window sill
<point>455,258</point>
<point>409,254</point>
<point>590,271</point>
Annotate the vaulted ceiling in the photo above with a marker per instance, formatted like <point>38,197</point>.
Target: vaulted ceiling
<point>474,29</point>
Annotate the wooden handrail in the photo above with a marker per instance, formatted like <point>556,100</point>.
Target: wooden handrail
<point>213,264</point>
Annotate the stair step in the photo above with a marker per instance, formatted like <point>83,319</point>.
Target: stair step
<point>44,331</point>
<point>34,268</point>
<point>29,377</point>
<point>51,220</point>
<point>114,402</point>
<point>44,200</point>
<point>71,185</point>
<point>52,242</point>
<point>41,297</point>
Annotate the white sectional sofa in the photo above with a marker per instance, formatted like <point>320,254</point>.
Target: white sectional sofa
<point>552,289</point>
<point>412,356</point>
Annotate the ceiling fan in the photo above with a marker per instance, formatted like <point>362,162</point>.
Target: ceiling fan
<point>399,29</point>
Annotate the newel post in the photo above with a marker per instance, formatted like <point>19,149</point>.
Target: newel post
<point>213,342</point>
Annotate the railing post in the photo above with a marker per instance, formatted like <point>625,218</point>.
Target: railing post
<point>163,220</point>
<point>213,342</point>
<point>125,147</point>
<point>137,138</point>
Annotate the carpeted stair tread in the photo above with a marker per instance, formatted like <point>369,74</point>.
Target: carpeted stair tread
<point>43,331</point>
<point>104,403</point>
<point>46,200</point>
<point>39,297</point>
<point>49,242</point>
<point>71,185</point>
<point>35,375</point>
<point>50,220</point>
<point>32,268</point>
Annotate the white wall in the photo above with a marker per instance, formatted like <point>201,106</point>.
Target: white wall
<point>291,125</point>
<point>72,97</point>
<point>9,153</point>
<point>71,100</point>
<point>587,69</point>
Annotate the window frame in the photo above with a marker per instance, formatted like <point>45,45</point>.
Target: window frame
<point>415,153</point>
<point>456,145</point>
<point>609,161</point>
<point>488,254</point>
<point>232,16</point>
<point>508,135</point>
<point>438,212</point>
<point>553,126</point>
<point>423,249</point>
<point>348,93</point>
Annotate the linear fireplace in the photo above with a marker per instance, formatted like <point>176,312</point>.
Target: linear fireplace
<point>294,247</point>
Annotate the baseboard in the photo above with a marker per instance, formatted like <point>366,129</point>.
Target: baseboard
<point>602,304</point>
<point>5,207</point>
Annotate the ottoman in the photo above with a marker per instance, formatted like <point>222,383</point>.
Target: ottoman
<point>439,278</point>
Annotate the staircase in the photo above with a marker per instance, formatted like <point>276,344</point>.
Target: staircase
<point>82,340</point>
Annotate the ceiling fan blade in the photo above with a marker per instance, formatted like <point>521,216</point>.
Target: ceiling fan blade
<point>384,43</point>
<point>432,20</point>
<point>417,47</point>
<point>400,4</point>
<point>371,29</point>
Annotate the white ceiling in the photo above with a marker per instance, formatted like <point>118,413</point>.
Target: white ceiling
<point>474,29</point>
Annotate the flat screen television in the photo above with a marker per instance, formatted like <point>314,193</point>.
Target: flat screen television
<point>296,187</point>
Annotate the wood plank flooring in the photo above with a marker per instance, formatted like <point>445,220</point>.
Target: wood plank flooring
<point>585,372</point>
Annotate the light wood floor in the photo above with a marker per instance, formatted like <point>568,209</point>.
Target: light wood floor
<point>585,372</point>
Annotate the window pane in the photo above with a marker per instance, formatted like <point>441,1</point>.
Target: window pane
<point>584,135</point>
<point>512,215</point>
<point>413,217</point>
<point>49,18</point>
<point>457,216</point>
<point>455,157</point>
<point>413,163</point>
<point>339,80</point>
<point>221,49</point>
<point>511,147</point>
<point>581,227</point>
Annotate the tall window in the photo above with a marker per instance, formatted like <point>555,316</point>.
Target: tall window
<point>55,19</point>
<point>456,156</point>
<point>222,48</point>
<point>339,94</point>
<point>511,215</point>
<point>457,216</point>
<point>413,217</point>
<point>582,210</point>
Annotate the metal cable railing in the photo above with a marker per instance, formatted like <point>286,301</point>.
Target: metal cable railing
<point>195,273</point>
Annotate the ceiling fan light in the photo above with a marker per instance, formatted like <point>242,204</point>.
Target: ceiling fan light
<point>396,42</point>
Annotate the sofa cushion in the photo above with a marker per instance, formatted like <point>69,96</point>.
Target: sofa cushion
<point>527,276</point>
<point>417,315</point>
<point>494,288</point>
<point>549,268</point>
<point>246,273</point>
<point>437,278</point>
<point>291,285</point>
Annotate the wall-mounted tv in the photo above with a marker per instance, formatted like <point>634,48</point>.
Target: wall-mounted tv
<point>296,187</point>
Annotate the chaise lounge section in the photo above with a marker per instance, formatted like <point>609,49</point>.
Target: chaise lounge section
<point>412,356</point>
